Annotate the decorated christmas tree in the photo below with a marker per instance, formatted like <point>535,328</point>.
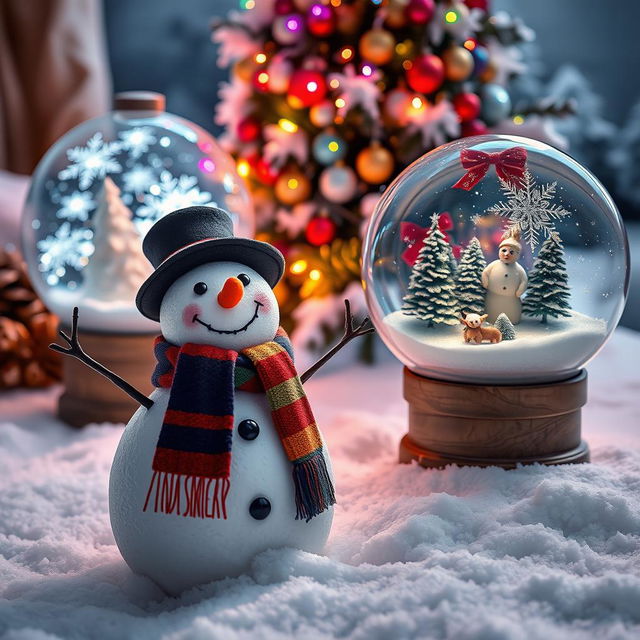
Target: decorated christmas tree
<point>329,100</point>
<point>548,289</point>
<point>505,327</point>
<point>117,267</point>
<point>430,295</point>
<point>469,289</point>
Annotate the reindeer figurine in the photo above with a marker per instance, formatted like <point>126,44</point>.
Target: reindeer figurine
<point>474,331</point>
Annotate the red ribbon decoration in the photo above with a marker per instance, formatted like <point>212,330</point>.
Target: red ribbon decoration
<point>510,166</point>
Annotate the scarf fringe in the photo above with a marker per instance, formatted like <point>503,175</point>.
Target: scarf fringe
<point>203,497</point>
<point>314,489</point>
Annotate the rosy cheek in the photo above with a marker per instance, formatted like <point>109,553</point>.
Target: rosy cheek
<point>188,314</point>
<point>264,300</point>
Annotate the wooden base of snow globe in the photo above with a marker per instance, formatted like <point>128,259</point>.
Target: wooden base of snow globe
<point>493,425</point>
<point>88,397</point>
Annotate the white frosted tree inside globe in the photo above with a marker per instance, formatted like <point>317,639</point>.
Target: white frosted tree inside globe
<point>117,266</point>
<point>555,248</point>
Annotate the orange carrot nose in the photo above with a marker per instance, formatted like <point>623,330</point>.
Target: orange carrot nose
<point>231,293</point>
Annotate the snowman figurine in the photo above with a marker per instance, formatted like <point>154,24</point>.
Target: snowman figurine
<point>224,459</point>
<point>505,280</point>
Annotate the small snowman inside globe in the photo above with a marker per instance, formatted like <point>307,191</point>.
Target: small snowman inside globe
<point>505,280</point>
<point>225,458</point>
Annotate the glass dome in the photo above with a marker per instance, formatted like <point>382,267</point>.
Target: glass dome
<point>496,259</point>
<point>99,189</point>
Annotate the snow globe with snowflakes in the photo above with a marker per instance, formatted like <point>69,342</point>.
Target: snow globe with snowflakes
<point>496,260</point>
<point>98,190</point>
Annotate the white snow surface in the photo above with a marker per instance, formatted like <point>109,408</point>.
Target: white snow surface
<point>464,553</point>
<point>555,350</point>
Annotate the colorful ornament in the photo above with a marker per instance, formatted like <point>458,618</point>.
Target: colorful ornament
<point>307,88</point>
<point>456,16</point>
<point>480,59</point>
<point>397,105</point>
<point>320,230</point>
<point>338,184</point>
<point>292,186</point>
<point>467,106</point>
<point>396,14</point>
<point>248,129</point>
<point>283,7</point>
<point>458,64</point>
<point>375,164</point>
<point>288,29</point>
<point>322,115</point>
<point>496,103</point>
<point>348,17</point>
<point>473,128</point>
<point>328,148</point>
<point>320,20</point>
<point>426,73</point>
<point>279,71</point>
<point>510,166</point>
<point>377,46</point>
<point>420,11</point>
<point>244,69</point>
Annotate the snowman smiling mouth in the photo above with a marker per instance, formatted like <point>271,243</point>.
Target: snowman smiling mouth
<point>232,331</point>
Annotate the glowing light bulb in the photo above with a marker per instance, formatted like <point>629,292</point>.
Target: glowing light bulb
<point>451,16</point>
<point>312,86</point>
<point>367,70</point>
<point>518,119</point>
<point>334,83</point>
<point>346,54</point>
<point>243,168</point>
<point>333,146</point>
<point>299,266</point>
<point>315,275</point>
<point>263,77</point>
<point>293,23</point>
<point>340,103</point>
<point>470,44</point>
<point>416,103</point>
<point>287,125</point>
<point>260,58</point>
<point>292,183</point>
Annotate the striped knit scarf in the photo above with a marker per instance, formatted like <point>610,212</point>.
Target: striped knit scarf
<point>192,461</point>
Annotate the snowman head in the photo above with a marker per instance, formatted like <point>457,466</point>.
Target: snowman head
<point>223,304</point>
<point>510,247</point>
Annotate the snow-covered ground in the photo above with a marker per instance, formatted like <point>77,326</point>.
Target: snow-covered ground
<point>555,350</point>
<point>535,553</point>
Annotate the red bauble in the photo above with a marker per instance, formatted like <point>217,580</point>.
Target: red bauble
<point>283,7</point>
<point>265,173</point>
<point>477,4</point>
<point>261,80</point>
<point>320,20</point>
<point>320,230</point>
<point>420,11</point>
<point>467,106</point>
<point>248,129</point>
<point>474,128</point>
<point>426,73</point>
<point>306,88</point>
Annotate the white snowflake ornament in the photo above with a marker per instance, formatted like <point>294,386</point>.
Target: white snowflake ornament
<point>435,124</point>
<point>282,145</point>
<point>92,162</point>
<point>137,140</point>
<point>354,89</point>
<point>76,206</point>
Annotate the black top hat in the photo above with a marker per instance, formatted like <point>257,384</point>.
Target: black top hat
<point>189,237</point>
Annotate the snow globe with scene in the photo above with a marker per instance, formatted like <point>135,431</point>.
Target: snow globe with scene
<point>493,261</point>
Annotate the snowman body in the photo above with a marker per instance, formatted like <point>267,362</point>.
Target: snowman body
<point>178,551</point>
<point>505,282</point>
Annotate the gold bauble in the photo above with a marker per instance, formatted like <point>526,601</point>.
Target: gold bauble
<point>396,17</point>
<point>375,164</point>
<point>349,17</point>
<point>458,64</point>
<point>489,74</point>
<point>244,69</point>
<point>292,186</point>
<point>377,46</point>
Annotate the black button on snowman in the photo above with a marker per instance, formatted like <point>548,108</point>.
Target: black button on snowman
<point>194,495</point>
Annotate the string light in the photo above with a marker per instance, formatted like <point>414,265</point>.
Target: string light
<point>416,103</point>
<point>470,44</point>
<point>451,16</point>
<point>346,54</point>
<point>287,125</point>
<point>315,275</point>
<point>263,77</point>
<point>336,3</point>
<point>261,58</point>
<point>407,64</point>
<point>312,86</point>
<point>518,119</point>
<point>298,267</point>
<point>247,5</point>
<point>333,146</point>
<point>401,48</point>
<point>340,103</point>
<point>334,83</point>
<point>243,168</point>
<point>367,70</point>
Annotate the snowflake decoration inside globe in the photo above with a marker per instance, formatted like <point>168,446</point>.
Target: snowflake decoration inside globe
<point>498,233</point>
<point>154,163</point>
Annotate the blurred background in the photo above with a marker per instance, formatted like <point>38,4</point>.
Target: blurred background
<point>574,80</point>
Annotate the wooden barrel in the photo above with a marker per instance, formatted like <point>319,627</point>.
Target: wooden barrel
<point>88,396</point>
<point>497,425</point>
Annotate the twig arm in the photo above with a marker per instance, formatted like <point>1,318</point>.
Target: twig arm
<point>350,332</point>
<point>76,351</point>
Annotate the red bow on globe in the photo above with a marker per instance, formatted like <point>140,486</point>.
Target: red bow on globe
<point>510,166</point>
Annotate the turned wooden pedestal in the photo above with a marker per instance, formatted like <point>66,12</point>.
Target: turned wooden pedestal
<point>88,396</point>
<point>493,425</point>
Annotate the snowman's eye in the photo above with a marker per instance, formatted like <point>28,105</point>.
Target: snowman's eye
<point>200,288</point>
<point>244,278</point>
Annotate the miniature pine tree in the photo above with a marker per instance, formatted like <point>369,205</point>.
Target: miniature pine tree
<point>505,327</point>
<point>469,290</point>
<point>431,288</point>
<point>117,267</point>
<point>548,290</point>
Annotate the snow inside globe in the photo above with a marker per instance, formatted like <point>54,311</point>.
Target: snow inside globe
<point>496,260</point>
<point>100,188</point>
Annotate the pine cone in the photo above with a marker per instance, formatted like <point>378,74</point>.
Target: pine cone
<point>26,329</point>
